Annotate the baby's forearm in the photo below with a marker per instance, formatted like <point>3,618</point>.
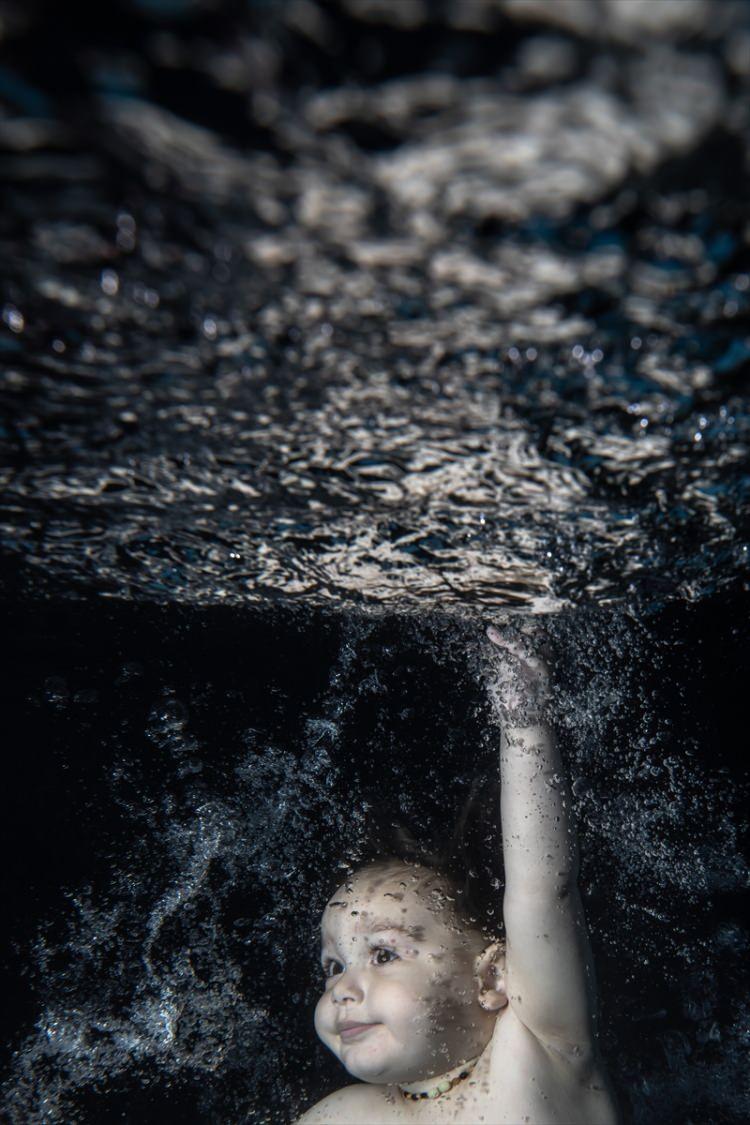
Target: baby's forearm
<point>539,844</point>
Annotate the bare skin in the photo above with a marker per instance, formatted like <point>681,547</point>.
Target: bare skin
<point>415,992</point>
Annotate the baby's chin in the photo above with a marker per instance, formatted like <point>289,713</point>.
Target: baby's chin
<point>386,1067</point>
<point>380,1075</point>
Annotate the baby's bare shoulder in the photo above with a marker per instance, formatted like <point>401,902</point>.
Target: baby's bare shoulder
<point>362,1104</point>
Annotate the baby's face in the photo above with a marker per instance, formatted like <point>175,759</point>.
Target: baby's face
<point>401,998</point>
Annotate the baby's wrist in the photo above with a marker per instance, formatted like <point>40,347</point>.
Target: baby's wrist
<point>521,720</point>
<point>527,738</point>
<point>529,712</point>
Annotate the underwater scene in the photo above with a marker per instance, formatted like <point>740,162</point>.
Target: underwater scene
<point>332,332</point>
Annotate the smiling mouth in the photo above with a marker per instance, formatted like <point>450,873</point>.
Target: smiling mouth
<point>354,1031</point>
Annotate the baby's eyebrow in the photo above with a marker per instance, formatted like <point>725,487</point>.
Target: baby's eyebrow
<point>416,933</point>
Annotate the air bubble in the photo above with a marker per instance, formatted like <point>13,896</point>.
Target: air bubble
<point>110,282</point>
<point>581,787</point>
<point>14,318</point>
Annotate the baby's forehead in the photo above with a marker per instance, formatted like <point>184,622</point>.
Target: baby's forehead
<point>396,893</point>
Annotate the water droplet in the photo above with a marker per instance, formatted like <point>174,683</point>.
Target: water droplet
<point>581,787</point>
<point>110,282</point>
<point>14,319</point>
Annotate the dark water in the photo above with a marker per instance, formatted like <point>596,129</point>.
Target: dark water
<point>327,331</point>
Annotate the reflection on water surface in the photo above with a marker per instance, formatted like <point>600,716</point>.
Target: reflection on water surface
<point>446,339</point>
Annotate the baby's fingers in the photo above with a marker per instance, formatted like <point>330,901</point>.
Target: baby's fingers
<point>495,635</point>
<point>510,644</point>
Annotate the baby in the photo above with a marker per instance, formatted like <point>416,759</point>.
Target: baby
<point>438,1021</point>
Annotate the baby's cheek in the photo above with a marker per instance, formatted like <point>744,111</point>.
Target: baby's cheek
<point>445,1010</point>
<point>426,997</point>
<point>322,1018</point>
<point>399,1003</point>
<point>430,983</point>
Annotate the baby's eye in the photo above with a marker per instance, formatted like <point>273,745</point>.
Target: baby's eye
<point>384,956</point>
<point>332,968</point>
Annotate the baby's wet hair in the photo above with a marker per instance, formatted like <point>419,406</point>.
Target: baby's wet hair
<point>467,860</point>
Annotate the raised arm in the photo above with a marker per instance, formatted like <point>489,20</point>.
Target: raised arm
<point>549,975</point>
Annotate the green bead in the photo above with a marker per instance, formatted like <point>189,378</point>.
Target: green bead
<point>435,1093</point>
<point>444,1086</point>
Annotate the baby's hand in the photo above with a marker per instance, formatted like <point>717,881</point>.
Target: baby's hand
<point>521,686</point>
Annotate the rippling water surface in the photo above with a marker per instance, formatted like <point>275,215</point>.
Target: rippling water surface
<point>329,330</point>
<point>444,339</point>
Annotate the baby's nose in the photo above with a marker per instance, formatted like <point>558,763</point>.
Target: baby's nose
<point>347,987</point>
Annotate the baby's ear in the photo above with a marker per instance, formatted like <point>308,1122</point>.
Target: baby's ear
<point>489,970</point>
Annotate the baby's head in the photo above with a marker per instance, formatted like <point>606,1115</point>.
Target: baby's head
<point>413,984</point>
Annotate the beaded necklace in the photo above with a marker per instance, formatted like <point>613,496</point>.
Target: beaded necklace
<point>443,1086</point>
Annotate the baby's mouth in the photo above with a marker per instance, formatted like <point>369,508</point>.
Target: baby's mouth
<point>349,1031</point>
